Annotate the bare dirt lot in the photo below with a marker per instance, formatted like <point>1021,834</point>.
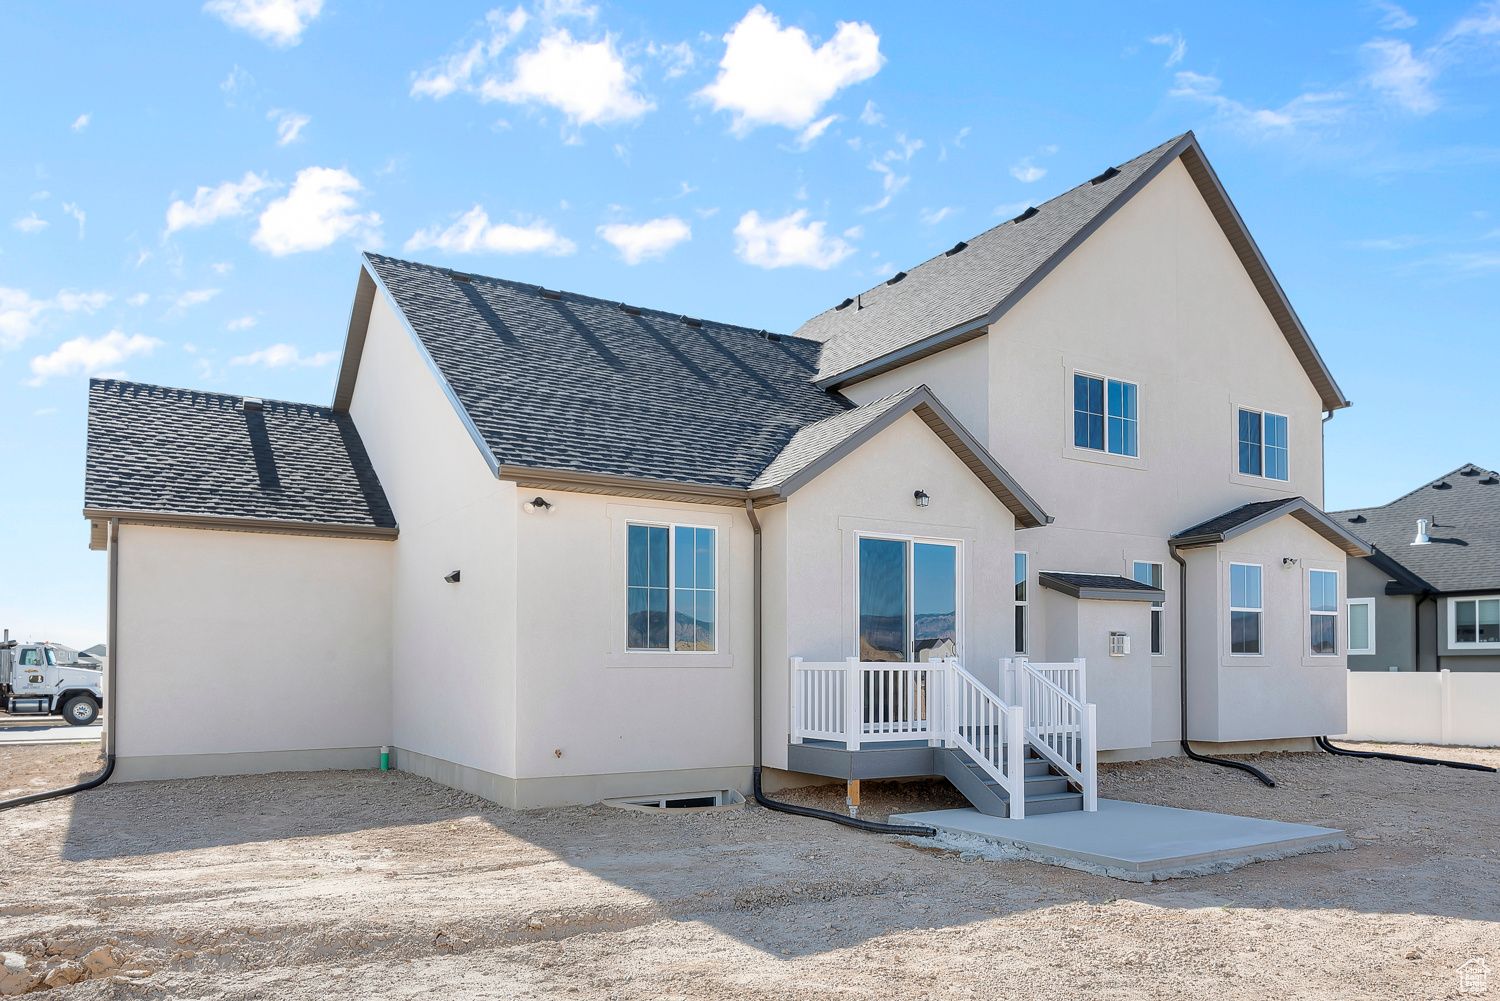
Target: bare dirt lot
<point>370,885</point>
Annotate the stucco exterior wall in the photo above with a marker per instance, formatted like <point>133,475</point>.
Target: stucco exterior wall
<point>959,376</point>
<point>235,647</point>
<point>1393,620</point>
<point>1119,686</point>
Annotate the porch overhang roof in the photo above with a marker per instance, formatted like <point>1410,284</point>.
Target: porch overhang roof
<point>1099,586</point>
<point>1249,517</point>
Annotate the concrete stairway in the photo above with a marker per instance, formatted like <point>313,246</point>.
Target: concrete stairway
<point>1046,791</point>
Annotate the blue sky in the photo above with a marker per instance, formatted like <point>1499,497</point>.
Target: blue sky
<point>184,188</point>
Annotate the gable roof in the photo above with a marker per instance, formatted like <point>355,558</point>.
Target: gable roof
<point>819,445</point>
<point>177,456</point>
<point>1249,517</point>
<point>955,296</point>
<point>1463,509</point>
<point>1099,586</point>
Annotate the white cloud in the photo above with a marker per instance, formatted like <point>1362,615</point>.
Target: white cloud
<point>1396,18</point>
<point>41,196</point>
<point>139,299</point>
<point>958,140</point>
<point>77,213</point>
<point>908,147</point>
<point>288,125</point>
<point>19,312</point>
<point>772,75</point>
<point>1175,42</point>
<point>553,10</point>
<point>931,217</point>
<point>1304,109</point>
<point>30,224</point>
<point>194,298</point>
<point>1403,77</point>
<point>870,116</point>
<point>1485,20</point>
<point>787,242</point>
<point>317,211</point>
<point>82,356</point>
<point>81,122</point>
<point>678,58</point>
<point>237,80</point>
<point>473,233</point>
<point>243,323</point>
<point>283,356</point>
<point>891,183</point>
<point>809,135</point>
<point>459,70</point>
<point>1026,173</point>
<point>212,204</point>
<point>587,81</point>
<point>279,22</point>
<point>648,240</point>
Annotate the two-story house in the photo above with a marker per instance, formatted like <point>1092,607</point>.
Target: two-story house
<point>553,548</point>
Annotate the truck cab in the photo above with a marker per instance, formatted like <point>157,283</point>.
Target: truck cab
<point>44,678</point>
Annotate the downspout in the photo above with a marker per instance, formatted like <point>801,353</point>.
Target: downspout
<point>904,830</point>
<point>112,654</point>
<point>1323,458</point>
<point>1182,648</point>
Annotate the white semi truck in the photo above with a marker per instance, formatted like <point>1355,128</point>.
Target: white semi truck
<point>44,678</point>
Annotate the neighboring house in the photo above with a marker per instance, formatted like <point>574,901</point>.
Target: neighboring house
<point>612,520</point>
<point>1428,597</point>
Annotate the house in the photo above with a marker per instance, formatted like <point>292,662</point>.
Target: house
<point>1427,598</point>
<point>553,548</point>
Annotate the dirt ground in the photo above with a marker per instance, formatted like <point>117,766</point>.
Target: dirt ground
<point>370,885</point>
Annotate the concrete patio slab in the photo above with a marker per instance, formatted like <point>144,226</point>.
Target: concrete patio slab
<point>1134,841</point>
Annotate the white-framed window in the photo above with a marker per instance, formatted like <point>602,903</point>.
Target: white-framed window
<point>1263,444</point>
<point>1152,574</point>
<point>671,597</point>
<point>1474,623</point>
<point>1022,602</point>
<point>1104,415</point>
<point>1245,609</point>
<point>1361,638</point>
<point>908,599</point>
<point>1323,607</point>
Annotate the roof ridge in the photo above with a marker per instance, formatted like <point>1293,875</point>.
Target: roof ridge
<point>93,380</point>
<point>1412,493</point>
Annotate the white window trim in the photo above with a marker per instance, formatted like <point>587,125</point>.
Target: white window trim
<point>1025,645</point>
<point>911,567</point>
<point>1453,643</point>
<point>1155,608</point>
<point>1307,589</point>
<point>1252,479</point>
<point>1349,647</point>
<point>671,647</point>
<point>1261,611</point>
<point>1105,457</point>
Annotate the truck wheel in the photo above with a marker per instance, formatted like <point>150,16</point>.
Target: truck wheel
<point>80,710</point>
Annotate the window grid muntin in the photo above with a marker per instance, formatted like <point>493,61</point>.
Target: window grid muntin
<point>1323,608</point>
<point>1088,412</point>
<point>1246,608</point>
<point>1121,410</point>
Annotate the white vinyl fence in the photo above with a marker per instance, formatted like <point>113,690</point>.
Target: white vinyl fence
<point>1441,707</point>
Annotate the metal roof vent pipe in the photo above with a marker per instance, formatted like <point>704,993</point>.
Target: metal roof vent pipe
<point>1421,539</point>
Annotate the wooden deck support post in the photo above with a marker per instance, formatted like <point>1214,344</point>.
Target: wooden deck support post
<point>853,798</point>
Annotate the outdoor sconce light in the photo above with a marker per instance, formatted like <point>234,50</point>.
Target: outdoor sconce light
<point>1289,561</point>
<point>451,578</point>
<point>922,498</point>
<point>537,504</point>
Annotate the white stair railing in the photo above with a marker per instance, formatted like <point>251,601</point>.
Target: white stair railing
<point>884,702</point>
<point>989,731</point>
<point>1059,725</point>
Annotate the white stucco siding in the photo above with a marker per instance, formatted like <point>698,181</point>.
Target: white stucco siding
<point>241,642</point>
<point>581,691</point>
<point>1119,686</point>
<point>453,645</point>
<point>959,377</point>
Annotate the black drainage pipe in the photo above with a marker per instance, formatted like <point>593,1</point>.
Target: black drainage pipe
<point>904,830</point>
<point>37,797</point>
<point>1409,759</point>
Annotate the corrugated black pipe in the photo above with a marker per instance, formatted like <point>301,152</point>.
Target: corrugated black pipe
<point>760,797</point>
<point>1331,748</point>
<point>37,797</point>
<point>1182,683</point>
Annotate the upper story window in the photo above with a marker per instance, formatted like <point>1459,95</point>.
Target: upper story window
<point>1473,622</point>
<point>671,592</point>
<point>1244,608</point>
<point>1263,447</point>
<point>1323,604</point>
<point>908,600</point>
<point>1021,601</point>
<point>1151,573</point>
<point>1104,415</point>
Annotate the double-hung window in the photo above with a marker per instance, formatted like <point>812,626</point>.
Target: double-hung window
<point>1244,608</point>
<point>1263,445</point>
<point>1361,638</point>
<point>1021,602</point>
<point>671,590</point>
<point>1474,622</point>
<point>908,600</point>
<point>1104,415</point>
<point>1323,598</point>
<point>1151,573</point>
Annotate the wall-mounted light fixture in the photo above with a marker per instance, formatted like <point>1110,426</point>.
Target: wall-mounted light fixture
<point>921,498</point>
<point>1289,561</point>
<point>451,578</point>
<point>537,504</point>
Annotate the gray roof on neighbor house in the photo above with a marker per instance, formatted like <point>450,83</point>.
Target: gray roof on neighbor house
<point>181,456</point>
<point>1099,586</point>
<point>954,296</point>
<point>571,383</point>
<point>1463,511</point>
<point>1248,517</point>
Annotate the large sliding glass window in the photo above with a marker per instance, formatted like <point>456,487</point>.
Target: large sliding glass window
<point>1104,415</point>
<point>1323,594</point>
<point>671,588</point>
<point>1244,608</point>
<point>908,600</point>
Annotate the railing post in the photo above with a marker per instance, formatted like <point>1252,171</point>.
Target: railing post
<point>1083,676</point>
<point>1015,754</point>
<point>794,703</point>
<point>854,703</point>
<point>1023,691</point>
<point>1090,765</point>
<point>1008,680</point>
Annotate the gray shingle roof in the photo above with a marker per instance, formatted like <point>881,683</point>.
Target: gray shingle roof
<point>1464,554</point>
<point>154,450</point>
<point>1099,585</point>
<point>1248,517</point>
<point>578,384</point>
<point>820,438</point>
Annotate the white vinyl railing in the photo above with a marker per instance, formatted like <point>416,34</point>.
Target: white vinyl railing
<point>1061,726</point>
<point>990,732</point>
<point>887,702</point>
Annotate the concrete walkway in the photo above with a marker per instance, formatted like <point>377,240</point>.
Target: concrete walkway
<point>44,733</point>
<point>1136,841</point>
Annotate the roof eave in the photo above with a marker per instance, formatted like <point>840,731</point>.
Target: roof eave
<point>269,526</point>
<point>1296,507</point>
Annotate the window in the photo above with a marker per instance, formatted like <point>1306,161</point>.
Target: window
<point>1151,573</point>
<point>30,657</point>
<point>671,588</point>
<point>1473,622</point>
<point>1104,415</point>
<point>1021,603</point>
<point>1263,446</point>
<point>1244,608</point>
<point>1361,639</point>
<point>908,600</point>
<point>1323,600</point>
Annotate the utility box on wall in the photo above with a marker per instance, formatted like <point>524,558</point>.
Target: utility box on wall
<point>1119,644</point>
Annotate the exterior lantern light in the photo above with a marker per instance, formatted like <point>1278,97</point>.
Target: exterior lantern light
<point>921,498</point>
<point>537,504</point>
<point>451,578</point>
